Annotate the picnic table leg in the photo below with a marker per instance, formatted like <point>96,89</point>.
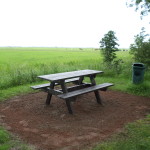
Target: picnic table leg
<point>81,80</point>
<point>97,95</point>
<point>69,106</point>
<point>64,89</point>
<point>49,95</point>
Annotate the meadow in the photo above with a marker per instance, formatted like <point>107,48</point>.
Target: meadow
<point>19,68</point>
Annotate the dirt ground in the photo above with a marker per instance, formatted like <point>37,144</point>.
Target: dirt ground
<point>52,128</point>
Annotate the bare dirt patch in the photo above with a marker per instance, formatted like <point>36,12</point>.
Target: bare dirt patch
<point>52,128</point>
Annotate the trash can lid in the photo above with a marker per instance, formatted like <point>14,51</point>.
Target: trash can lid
<point>139,65</point>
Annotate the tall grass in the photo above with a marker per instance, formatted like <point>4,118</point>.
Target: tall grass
<point>20,66</point>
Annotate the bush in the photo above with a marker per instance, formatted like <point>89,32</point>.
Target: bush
<point>141,48</point>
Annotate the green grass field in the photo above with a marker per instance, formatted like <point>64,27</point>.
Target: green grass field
<point>21,65</point>
<point>19,68</point>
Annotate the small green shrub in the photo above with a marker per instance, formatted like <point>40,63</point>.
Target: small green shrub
<point>141,48</point>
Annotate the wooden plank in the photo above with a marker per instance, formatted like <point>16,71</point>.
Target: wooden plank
<point>40,86</point>
<point>85,90</point>
<point>53,91</point>
<point>68,75</point>
<point>64,89</point>
<point>48,84</point>
<point>81,79</point>
<point>49,95</point>
<point>97,94</point>
<point>78,87</point>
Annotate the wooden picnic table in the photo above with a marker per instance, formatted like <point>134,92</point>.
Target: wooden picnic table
<point>70,93</point>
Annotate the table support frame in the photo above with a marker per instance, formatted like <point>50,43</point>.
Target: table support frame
<point>65,90</point>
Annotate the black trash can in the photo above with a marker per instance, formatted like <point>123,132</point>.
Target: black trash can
<point>138,70</point>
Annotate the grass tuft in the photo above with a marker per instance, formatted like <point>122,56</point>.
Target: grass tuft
<point>7,142</point>
<point>4,136</point>
<point>139,89</point>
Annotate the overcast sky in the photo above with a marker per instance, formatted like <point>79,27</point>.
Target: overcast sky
<point>67,23</point>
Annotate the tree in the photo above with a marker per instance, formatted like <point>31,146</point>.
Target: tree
<point>141,48</point>
<point>142,5</point>
<point>108,46</point>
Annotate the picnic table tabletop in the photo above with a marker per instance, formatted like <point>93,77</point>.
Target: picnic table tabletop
<point>68,75</point>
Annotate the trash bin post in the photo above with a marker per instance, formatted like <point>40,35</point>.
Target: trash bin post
<point>138,70</point>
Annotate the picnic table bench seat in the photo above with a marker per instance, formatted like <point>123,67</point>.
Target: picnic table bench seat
<point>42,86</point>
<point>102,87</point>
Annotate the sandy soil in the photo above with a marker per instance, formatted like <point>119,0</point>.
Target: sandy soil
<point>52,128</point>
